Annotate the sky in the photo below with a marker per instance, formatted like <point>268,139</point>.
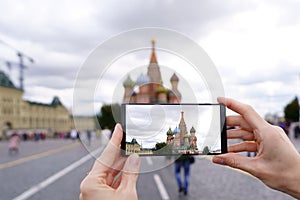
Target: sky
<point>148,124</point>
<point>254,44</point>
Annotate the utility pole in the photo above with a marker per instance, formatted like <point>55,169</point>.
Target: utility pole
<point>21,65</point>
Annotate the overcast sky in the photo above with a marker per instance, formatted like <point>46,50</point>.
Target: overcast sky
<point>254,44</point>
<point>148,124</point>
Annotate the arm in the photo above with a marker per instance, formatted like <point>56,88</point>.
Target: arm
<point>277,163</point>
<point>103,181</point>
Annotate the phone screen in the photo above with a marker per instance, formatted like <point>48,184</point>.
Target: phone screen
<point>172,129</point>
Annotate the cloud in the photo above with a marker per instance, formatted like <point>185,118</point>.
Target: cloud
<point>254,44</point>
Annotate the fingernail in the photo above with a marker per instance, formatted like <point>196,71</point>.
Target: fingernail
<point>219,160</point>
<point>118,126</point>
<point>221,99</point>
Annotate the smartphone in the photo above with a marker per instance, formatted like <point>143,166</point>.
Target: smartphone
<point>173,129</point>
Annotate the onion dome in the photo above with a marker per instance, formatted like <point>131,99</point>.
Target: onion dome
<point>174,78</point>
<point>162,89</point>
<point>186,136</point>
<point>128,83</point>
<point>142,79</point>
<point>176,130</point>
<point>170,132</point>
<point>192,130</point>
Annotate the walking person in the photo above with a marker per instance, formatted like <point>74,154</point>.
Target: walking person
<point>89,136</point>
<point>13,146</point>
<point>73,134</point>
<point>183,162</point>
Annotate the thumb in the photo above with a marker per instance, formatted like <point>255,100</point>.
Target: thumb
<point>130,171</point>
<point>235,161</point>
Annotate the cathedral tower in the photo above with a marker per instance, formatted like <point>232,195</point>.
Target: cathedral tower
<point>128,86</point>
<point>153,68</point>
<point>175,96</point>
<point>182,128</point>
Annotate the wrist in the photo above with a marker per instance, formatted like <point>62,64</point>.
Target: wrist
<point>292,183</point>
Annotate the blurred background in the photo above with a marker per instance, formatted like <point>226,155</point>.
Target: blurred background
<point>254,45</point>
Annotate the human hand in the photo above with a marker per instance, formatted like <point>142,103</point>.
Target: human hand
<point>112,176</point>
<point>277,163</point>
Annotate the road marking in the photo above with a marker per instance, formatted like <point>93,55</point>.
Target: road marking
<point>37,156</point>
<point>149,160</point>
<point>36,188</point>
<point>161,188</point>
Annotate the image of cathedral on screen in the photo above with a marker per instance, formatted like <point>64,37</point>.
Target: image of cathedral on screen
<point>148,88</point>
<point>180,141</point>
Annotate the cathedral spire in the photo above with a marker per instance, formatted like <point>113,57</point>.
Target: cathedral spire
<point>182,118</point>
<point>153,56</point>
<point>153,68</point>
<point>182,128</point>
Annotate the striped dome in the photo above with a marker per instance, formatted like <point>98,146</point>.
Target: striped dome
<point>192,130</point>
<point>176,130</point>
<point>142,79</point>
<point>128,83</point>
<point>174,78</point>
<point>170,132</point>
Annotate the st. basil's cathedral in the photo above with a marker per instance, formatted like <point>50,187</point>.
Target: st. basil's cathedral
<point>149,88</point>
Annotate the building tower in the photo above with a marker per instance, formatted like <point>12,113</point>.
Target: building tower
<point>182,128</point>
<point>153,68</point>
<point>193,139</point>
<point>128,85</point>
<point>169,136</point>
<point>162,94</point>
<point>154,74</point>
<point>143,83</point>
<point>176,142</point>
<point>175,95</point>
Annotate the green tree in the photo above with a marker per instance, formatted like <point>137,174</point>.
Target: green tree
<point>109,115</point>
<point>291,111</point>
<point>160,145</point>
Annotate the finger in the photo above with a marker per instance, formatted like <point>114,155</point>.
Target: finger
<point>249,114</point>
<point>111,152</point>
<point>130,172</point>
<point>249,146</point>
<point>238,120</point>
<point>236,161</point>
<point>240,134</point>
<point>115,169</point>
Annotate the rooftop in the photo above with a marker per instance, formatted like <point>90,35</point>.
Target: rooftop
<point>5,81</point>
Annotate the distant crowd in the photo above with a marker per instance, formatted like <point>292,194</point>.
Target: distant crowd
<point>42,136</point>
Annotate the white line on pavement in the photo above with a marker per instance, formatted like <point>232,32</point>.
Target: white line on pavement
<point>149,160</point>
<point>161,188</point>
<point>36,188</point>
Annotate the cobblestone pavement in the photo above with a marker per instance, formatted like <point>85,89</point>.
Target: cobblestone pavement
<point>207,181</point>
